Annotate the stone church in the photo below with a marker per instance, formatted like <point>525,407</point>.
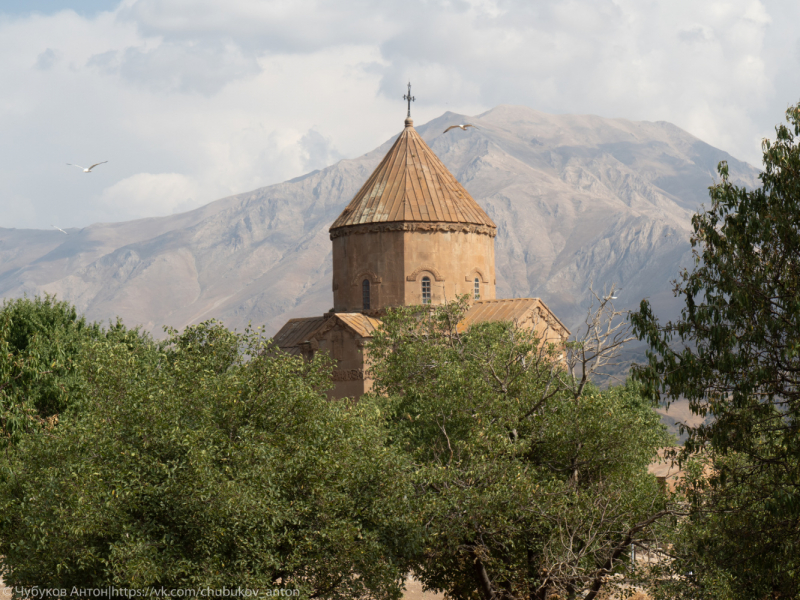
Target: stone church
<point>411,236</point>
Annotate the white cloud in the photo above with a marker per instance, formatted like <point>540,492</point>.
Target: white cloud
<point>318,151</point>
<point>204,68</point>
<point>208,98</point>
<point>297,26</point>
<point>150,195</point>
<point>46,59</point>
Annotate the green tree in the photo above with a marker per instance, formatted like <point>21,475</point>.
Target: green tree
<point>735,354</point>
<point>736,542</point>
<point>40,339</point>
<point>527,483</point>
<point>210,460</point>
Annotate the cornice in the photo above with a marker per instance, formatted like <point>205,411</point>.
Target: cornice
<point>416,227</point>
<point>552,321</point>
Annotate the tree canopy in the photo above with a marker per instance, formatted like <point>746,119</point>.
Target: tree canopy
<point>523,488</point>
<point>212,459</point>
<point>735,354</point>
<point>40,340</point>
<point>209,460</point>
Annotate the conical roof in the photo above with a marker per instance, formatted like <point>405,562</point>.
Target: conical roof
<point>412,185</point>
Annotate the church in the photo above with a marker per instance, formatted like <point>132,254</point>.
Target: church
<point>412,235</point>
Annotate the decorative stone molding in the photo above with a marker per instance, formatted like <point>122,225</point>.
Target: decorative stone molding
<point>347,375</point>
<point>368,274</point>
<point>334,321</point>
<point>545,315</point>
<point>419,227</point>
<point>436,274</point>
<point>471,276</point>
<point>326,327</point>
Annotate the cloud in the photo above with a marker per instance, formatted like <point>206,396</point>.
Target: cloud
<point>188,66</point>
<point>149,195</point>
<point>46,59</point>
<point>695,34</point>
<point>317,151</point>
<point>297,26</point>
<point>210,98</point>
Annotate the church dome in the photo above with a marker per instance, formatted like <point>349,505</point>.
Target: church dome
<point>411,185</point>
<point>412,235</point>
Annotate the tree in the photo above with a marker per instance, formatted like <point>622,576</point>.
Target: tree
<point>211,460</point>
<point>735,354</point>
<point>736,542</point>
<point>527,483</point>
<point>40,339</point>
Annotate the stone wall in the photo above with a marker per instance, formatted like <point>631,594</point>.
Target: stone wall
<point>394,258</point>
<point>350,373</point>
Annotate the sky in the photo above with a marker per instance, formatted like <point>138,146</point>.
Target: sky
<point>194,100</point>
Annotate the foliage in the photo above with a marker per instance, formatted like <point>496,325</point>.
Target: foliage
<point>39,342</point>
<point>522,488</point>
<point>211,460</point>
<point>734,353</point>
<point>733,544</point>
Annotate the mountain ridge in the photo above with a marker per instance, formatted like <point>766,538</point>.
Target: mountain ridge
<point>576,198</point>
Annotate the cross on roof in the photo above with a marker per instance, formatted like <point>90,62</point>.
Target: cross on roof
<point>410,99</point>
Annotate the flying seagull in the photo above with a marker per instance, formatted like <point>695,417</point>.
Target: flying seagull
<point>462,126</point>
<point>89,170</point>
<point>61,230</point>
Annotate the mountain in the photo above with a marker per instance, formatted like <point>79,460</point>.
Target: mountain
<point>576,199</point>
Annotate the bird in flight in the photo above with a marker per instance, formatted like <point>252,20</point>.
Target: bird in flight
<point>61,230</point>
<point>462,126</point>
<point>89,170</point>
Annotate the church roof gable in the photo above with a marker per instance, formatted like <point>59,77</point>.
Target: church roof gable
<point>499,310</point>
<point>297,331</point>
<point>411,184</point>
<point>362,324</point>
<point>515,309</point>
<point>359,323</point>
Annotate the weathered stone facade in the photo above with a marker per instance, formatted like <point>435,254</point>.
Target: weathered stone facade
<point>394,262</point>
<point>412,235</point>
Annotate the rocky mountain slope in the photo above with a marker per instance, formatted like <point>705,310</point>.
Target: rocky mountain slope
<point>576,199</point>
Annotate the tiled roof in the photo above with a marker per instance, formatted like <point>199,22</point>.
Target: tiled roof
<point>514,309</point>
<point>361,324</point>
<point>412,185</point>
<point>297,331</point>
<point>499,310</point>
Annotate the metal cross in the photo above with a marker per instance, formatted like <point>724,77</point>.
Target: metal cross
<point>410,99</point>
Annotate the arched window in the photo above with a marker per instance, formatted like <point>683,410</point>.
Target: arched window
<point>426,290</point>
<point>365,293</point>
<point>477,289</point>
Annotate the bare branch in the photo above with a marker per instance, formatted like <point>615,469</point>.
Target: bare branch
<point>599,345</point>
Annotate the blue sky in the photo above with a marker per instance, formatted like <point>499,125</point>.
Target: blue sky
<point>193,100</point>
<point>83,7</point>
